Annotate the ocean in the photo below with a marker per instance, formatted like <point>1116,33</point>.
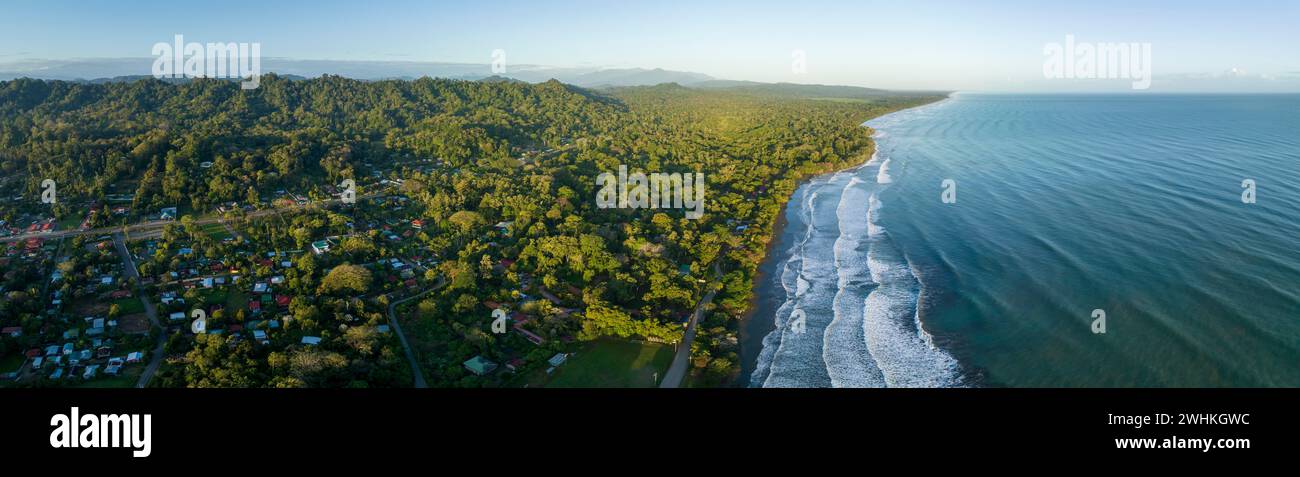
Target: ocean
<point>990,232</point>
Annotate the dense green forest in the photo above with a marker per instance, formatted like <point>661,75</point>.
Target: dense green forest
<point>467,155</point>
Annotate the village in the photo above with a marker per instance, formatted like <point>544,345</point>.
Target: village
<point>118,308</point>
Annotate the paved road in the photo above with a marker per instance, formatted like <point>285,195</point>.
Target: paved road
<point>153,228</point>
<point>155,359</point>
<point>397,328</point>
<point>681,361</point>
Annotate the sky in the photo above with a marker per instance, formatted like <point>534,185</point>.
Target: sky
<point>914,44</point>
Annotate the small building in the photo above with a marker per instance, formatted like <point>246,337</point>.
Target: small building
<point>480,365</point>
<point>515,364</point>
<point>558,359</point>
<point>114,366</point>
<point>320,247</point>
<point>504,227</point>
<point>311,340</point>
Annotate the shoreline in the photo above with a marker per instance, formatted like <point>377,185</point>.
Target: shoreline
<point>753,332</point>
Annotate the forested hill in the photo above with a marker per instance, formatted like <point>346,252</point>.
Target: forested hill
<point>467,155</point>
<point>89,137</point>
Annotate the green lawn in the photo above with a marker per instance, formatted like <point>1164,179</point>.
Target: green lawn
<point>235,300</point>
<point>610,363</point>
<point>212,296</point>
<point>129,306</point>
<point>72,222</point>
<point>216,231</point>
<point>11,362</point>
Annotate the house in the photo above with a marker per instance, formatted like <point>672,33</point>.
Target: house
<point>504,227</point>
<point>36,362</point>
<point>530,336</point>
<point>176,316</point>
<point>134,357</point>
<point>259,335</point>
<point>114,366</point>
<point>480,365</point>
<point>167,213</point>
<point>515,364</point>
<point>417,224</point>
<point>320,247</point>
<point>12,331</point>
<point>558,359</point>
<point>58,373</point>
<point>90,371</point>
<point>311,340</point>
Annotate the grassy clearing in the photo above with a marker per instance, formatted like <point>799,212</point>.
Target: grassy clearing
<point>11,362</point>
<point>216,231</point>
<point>611,363</point>
<point>129,306</point>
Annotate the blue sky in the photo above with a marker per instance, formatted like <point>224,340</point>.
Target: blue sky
<point>896,44</point>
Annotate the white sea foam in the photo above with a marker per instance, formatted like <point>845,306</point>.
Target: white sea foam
<point>873,216</point>
<point>901,347</point>
<point>862,328</point>
<point>848,361</point>
<point>883,177</point>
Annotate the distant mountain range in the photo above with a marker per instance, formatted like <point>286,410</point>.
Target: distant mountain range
<point>130,69</point>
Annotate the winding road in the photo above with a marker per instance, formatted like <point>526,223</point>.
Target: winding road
<point>681,361</point>
<point>397,328</point>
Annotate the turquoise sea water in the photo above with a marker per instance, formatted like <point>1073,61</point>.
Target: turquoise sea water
<point>1129,204</point>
